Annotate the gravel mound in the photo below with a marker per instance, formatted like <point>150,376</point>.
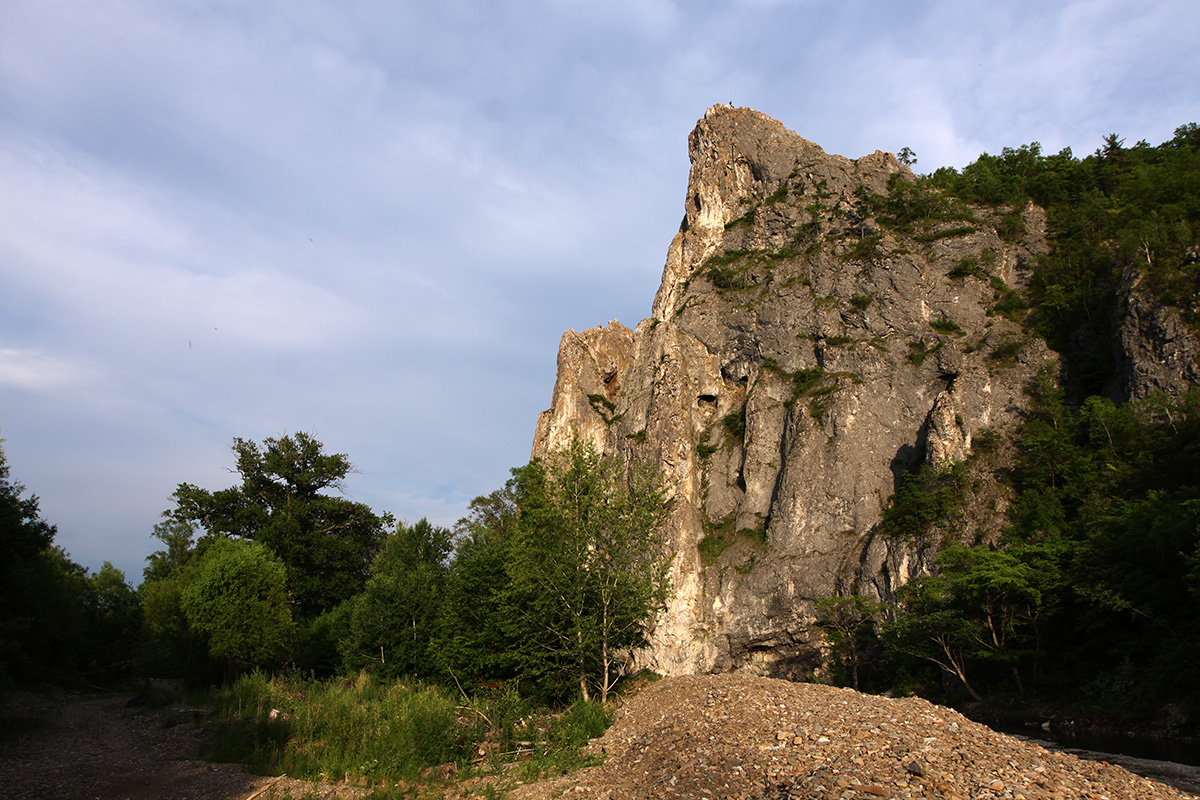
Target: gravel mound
<point>739,736</point>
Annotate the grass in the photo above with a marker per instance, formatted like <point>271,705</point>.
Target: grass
<point>379,733</point>
<point>947,326</point>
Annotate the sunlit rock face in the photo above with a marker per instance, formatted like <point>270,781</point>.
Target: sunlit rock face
<point>801,357</point>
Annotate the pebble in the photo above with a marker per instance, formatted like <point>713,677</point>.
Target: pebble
<point>793,741</point>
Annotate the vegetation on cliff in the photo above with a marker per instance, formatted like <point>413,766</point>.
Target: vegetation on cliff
<point>1092,594</point>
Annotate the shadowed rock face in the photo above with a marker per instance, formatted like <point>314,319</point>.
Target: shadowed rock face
<point>800,359</point>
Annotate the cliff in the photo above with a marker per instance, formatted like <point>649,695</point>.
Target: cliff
<point>820,331</point>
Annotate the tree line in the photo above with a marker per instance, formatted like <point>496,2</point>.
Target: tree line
<point>547,584</point>
<point>1091,595</point>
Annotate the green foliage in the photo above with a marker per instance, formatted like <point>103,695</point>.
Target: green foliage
<point>237,601</point>
<point>947,326</point>
<point>849,626</point>
<point>48,603</point>
<point>913,206</point>
<point>356,728</point>
<point>590,565</point>
<point>394,622</point>
<point>1093,595</point>
<point>482,641</point>
<point>944,233</point>
<point>926,500</point>
<point>777,196</point>
<point>605,408</point>
<point>860,302</point>
<point>705,450</point>
<point>735,423</point>
<point>918,351</point>
<point>171,647</point>
<point>746,220</point>
<point>324,540</point>
<point>556,577</point>
<point>114,622</point>
<point>1119,208</point>
<point>383,733</point>
<point>718,538</point>
<point>865,248</point>
<point>968,266</point>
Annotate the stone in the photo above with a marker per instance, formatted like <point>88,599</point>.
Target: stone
<point>800,359</point>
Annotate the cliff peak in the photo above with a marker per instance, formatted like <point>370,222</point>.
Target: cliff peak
<point>809,346</point>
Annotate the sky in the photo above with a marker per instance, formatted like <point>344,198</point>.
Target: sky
<point>372,222</point>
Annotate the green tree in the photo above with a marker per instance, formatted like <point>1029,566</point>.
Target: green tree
<point>170,646</point>
<point>237,601</point>
<point>395,620</point>
<point>43,594</point>
<point>114,617</point>
<point>178,536</point>
<point>848,623</point>
<point>929,625</point>
<point>589,566</point>
<point>481,642</point>
<point>325,541</point>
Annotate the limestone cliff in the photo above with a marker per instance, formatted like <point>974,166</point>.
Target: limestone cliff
<point>801,357</point>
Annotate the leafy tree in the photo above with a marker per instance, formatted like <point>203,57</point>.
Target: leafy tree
<point>43,594</point>
<point>114,620</point>
<point>848,623</point>
<point>928,625</point>
<point>171,647</point>
<point>178,535</point>
<point>481,642</point>
<point>394,621</point>
<point>237,600</point>
<point>997,593</point>
<point>326,542</point>
<point>589,566</point>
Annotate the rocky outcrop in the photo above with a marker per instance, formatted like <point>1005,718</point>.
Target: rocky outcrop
<point>1156,350</point>
<point>812,341</point>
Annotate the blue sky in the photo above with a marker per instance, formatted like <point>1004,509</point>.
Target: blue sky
<point>373,221</point>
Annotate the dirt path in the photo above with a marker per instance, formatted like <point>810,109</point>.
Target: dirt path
<point>97,749</point>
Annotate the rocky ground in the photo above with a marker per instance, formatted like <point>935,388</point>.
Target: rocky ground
<point>100,749</point>
<point>710,737</point>
<point>736,736</point>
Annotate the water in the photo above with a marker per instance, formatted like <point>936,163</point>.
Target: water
<point>1116,744</point>
<point>1171,762</point>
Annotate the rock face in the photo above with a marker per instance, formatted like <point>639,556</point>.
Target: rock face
<point>1155,350</point>
<point>802,357</point>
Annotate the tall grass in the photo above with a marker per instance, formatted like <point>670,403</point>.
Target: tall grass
<point>357,728</point>
<point>369,731</point>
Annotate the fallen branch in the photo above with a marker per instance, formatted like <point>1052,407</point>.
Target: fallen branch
<point>268,786</point>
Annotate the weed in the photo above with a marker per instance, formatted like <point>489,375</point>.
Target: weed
<point>947,326</point>
<point>1008,350</point>
<point>865,249</point>
<point>817,211</point>
<point>860,301</point>
<point>746,220</point>
<point>735,423</point>
<point>918,351</point>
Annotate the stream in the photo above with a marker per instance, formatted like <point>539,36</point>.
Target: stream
<point>1171,762</point>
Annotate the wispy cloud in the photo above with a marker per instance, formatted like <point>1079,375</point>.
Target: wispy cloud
<point>373,221</point>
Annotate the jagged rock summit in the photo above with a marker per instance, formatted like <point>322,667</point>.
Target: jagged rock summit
<point>815,338</point>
